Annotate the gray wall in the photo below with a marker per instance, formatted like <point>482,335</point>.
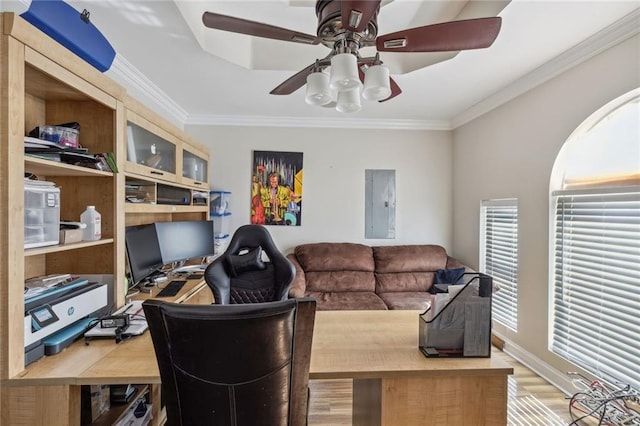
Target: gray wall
<point>335,161</point>
<point>441,179</point>
<point>509,153</point>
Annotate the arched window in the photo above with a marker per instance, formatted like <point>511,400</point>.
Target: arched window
<point>595,244</point>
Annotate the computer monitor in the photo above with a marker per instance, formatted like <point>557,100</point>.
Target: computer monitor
<point>143,252</point>
<point>185,240</point>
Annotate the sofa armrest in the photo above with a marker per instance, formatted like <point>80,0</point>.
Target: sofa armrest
<point>299,285</point>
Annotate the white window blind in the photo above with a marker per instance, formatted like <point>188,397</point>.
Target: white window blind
<point>596,279</point>
<point>499,256</point>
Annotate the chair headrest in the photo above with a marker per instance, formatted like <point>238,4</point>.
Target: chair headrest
<point>245,262</point>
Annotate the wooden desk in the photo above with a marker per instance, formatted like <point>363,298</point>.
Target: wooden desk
<point>393,383</point>
<point>47,392</point>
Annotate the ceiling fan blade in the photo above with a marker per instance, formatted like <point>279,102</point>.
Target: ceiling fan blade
<point>447,36</point>
<point>294,82</point>
<point>244,26</point>
<point>395,90</point>
<point>356,14</point>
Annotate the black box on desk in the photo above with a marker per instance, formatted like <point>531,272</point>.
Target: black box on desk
<point>94,400</point>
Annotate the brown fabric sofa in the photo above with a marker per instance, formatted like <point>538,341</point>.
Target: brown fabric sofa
<point>358,277</point>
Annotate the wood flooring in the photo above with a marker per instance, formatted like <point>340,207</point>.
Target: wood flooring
<point>531,402</point>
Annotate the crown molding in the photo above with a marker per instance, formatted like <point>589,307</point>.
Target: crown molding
<point>625,28</point>
<point>614,34</point>
<point>332,122</point>
<point>129,76</point>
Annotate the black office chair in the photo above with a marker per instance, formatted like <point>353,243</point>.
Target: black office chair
<point>240,275</point>
<point>233,365</point>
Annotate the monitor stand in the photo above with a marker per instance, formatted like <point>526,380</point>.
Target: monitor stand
<point>152,280</point>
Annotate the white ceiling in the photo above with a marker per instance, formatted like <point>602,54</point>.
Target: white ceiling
<point>160,58</point>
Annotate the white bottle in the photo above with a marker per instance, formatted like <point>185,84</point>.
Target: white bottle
<point>92,219</point>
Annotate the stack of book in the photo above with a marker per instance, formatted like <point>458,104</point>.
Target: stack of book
<point>39,148</point>
<point>107,162</point>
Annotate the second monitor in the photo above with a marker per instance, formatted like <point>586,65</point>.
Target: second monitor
<point>185,240</point>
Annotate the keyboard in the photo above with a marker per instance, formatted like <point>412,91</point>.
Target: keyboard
<point>171,289</point>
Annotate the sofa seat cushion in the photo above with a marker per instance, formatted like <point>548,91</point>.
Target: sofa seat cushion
<point>403,281</point>
<point>343,300</point>
<point>407,300</point>
<point>340,281</point>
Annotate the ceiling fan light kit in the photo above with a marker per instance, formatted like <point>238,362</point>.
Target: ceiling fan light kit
<point>322,89</point>
<point>376,83</point>
<point>344,72</point>
<point>318,92</point>
<point>346,26</point>
<point>349,100</point>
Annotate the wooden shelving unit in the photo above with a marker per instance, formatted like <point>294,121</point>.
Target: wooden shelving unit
<point>175,146</point>
<point>44,83</point>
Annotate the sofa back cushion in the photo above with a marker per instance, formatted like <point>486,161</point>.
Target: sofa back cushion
<point>337,266</point>
<point>407,267</point>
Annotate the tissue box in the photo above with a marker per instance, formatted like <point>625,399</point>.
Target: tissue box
<point>68,236</point>
<point>64,136</point>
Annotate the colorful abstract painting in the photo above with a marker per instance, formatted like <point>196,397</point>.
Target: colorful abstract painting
<point>276,188</point>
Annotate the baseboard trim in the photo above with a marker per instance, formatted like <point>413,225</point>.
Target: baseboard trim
<point>558,379</point>
<point>498,342</point>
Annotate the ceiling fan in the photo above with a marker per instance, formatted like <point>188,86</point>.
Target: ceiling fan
<point>347,26</point>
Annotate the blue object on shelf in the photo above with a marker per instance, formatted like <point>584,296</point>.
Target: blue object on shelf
<point>221,224</point>
<point>73,30</point>
<point>219,202</point>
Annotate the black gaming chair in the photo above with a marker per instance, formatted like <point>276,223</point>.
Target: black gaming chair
<point>240,275</point>
<point>233,364</point>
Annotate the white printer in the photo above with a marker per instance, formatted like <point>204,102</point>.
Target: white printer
<point>56,311</point>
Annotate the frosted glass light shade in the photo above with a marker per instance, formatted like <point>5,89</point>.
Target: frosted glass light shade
<point>344,72</point>
<point>334,99</point>
<point>376,83</point>
<point>349,100</point>
<point>318,92</point>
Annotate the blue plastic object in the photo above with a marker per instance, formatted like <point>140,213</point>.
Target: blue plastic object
<point>63,338</point>
<point>73,30</point>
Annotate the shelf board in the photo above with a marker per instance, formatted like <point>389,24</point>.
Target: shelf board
<point>39,166</point>
<point>63,247</point>
<point>163,208</point>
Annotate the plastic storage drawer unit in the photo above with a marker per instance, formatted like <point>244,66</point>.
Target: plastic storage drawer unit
<point>41,214</point>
